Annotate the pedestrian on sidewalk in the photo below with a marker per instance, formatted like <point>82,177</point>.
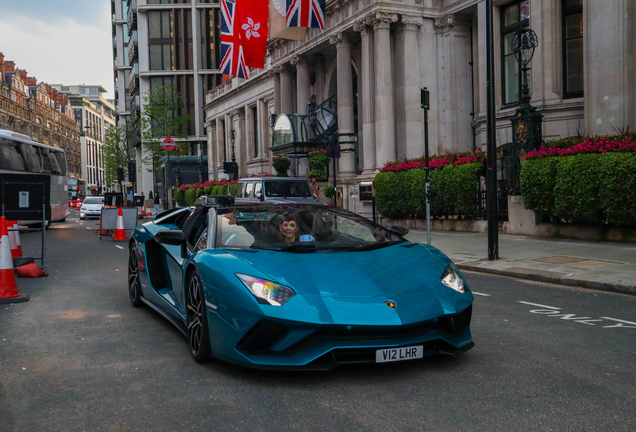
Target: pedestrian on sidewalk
<point>156,204</point>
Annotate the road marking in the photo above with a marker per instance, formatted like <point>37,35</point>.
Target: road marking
<point>120,247</point>
<point>88,228</point>
<point>620,323</point>
<point>552,311</point>
<point>540,305</point>
<point>480,294</point>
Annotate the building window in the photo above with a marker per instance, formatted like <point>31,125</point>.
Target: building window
<point>170,40</point>
<point>255,121</point>
<point>210,38</point>
<point>572,48</point>
<point>513,17</point>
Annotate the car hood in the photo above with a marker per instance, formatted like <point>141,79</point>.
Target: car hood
<point>390,271</point>
<point>92,207</point>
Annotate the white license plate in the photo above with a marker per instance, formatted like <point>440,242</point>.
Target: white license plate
<point>399,354</point>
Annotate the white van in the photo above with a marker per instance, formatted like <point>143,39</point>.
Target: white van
<point>274,190</point>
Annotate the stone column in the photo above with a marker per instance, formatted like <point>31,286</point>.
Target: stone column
<point>302,83</point>
<point>319,84</point>
<point>368,93</point>
<point>609,31</point>
<point>384,87</point>
<point>220,149</point>
<point>409,115</point>
<point>345,104</point>
<point>302,97</point>
<point>274,73</point>
<point>454,83</point>
<point>211,129</point>
<point>286,92</point>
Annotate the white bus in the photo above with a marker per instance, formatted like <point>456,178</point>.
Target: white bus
<point>19,154</point>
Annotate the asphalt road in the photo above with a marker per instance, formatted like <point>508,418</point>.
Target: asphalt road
<point>79,357</point>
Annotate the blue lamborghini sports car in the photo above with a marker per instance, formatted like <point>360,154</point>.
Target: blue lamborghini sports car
<point>297,286</point>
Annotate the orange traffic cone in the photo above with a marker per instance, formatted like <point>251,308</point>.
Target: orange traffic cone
<point>120,233</point>
<point>143,213</point>
<point>148,211</point>
<point>8,288</point>
<point>17,239</point>
<point>12,242</point>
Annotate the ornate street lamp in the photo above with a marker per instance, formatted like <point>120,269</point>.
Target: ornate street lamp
<point>527,133</point>
<point>524,43</point>
<point>232,139</point>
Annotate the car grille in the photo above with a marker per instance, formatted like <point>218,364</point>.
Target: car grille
<point>260,338</point>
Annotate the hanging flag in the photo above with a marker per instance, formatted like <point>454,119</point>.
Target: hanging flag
<point>232,55</point>
<point>278,23</point>
<point>243,36</point>
<point>306,13</point>
<point>253,15</point>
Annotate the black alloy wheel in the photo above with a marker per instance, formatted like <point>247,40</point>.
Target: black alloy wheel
<point>134,285</point>
<point>198,334</point>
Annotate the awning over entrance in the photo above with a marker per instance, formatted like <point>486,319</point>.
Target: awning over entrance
<point>295,135</point>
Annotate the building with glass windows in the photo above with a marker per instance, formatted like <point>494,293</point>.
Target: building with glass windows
<point>95,115</point>
<point>160,42</point>
<point>373,58</point>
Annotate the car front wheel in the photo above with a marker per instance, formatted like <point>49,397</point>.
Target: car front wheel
<point>198,334</point>
<point>134,285</point>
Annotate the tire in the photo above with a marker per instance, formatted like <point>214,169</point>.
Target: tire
<point>198,332</point>
<point>62,220</point>
<point>134,285</point>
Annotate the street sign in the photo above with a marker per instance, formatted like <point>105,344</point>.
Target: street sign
<point>168,144</point>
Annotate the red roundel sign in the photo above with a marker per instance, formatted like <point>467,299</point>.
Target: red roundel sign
<point>168,144</point>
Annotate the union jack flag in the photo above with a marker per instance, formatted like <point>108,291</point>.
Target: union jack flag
<point>306,13</point>
<point>232,57</point>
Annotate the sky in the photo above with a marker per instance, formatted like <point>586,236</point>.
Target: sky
<point>59,41</point>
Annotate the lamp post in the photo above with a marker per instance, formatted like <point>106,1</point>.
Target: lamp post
<point>527,133</point>
<point>425,101</point>
<point>524,43</point>
<point>234,173</point>
<point>491,172</point>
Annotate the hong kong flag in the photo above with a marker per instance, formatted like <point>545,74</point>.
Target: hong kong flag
<point>243,36</point>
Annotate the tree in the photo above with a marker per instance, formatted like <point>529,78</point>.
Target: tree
<point>116,153</point>
<point>161,120</point>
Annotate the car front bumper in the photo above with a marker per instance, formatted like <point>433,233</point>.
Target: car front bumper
<point>272,343</point>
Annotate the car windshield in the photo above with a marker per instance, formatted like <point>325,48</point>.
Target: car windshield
<point>94,200</point>
<point>287,189</point>
<point>302,229</point>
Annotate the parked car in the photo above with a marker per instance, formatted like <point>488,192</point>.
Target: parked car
<point>274,190</point>
<point>91,207</point>
<point>297,286</point>
<point>216,200</point>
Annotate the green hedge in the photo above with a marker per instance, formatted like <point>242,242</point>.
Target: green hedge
<point>585,188</point>
<point>453,190</point>
<point>538,178</point>
<point>179,197</point>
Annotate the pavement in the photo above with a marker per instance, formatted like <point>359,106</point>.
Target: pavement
<point>606,266</point>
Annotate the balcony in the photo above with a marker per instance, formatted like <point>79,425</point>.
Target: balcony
<point>133,85</point>
<point>132,18</point>
<point>132,53</point>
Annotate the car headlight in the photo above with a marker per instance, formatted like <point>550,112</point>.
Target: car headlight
<point>452,279</point>
<point>265,291</point>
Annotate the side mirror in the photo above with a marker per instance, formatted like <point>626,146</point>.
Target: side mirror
<point>399,230</point>
<point>260,197</point>
<point>172,237</point>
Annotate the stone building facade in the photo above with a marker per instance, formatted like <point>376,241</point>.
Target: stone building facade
<point>374,57</point>
<point>94,115</point>
<point>39,111</point>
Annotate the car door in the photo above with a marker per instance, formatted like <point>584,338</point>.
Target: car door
<point>192,228</point>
